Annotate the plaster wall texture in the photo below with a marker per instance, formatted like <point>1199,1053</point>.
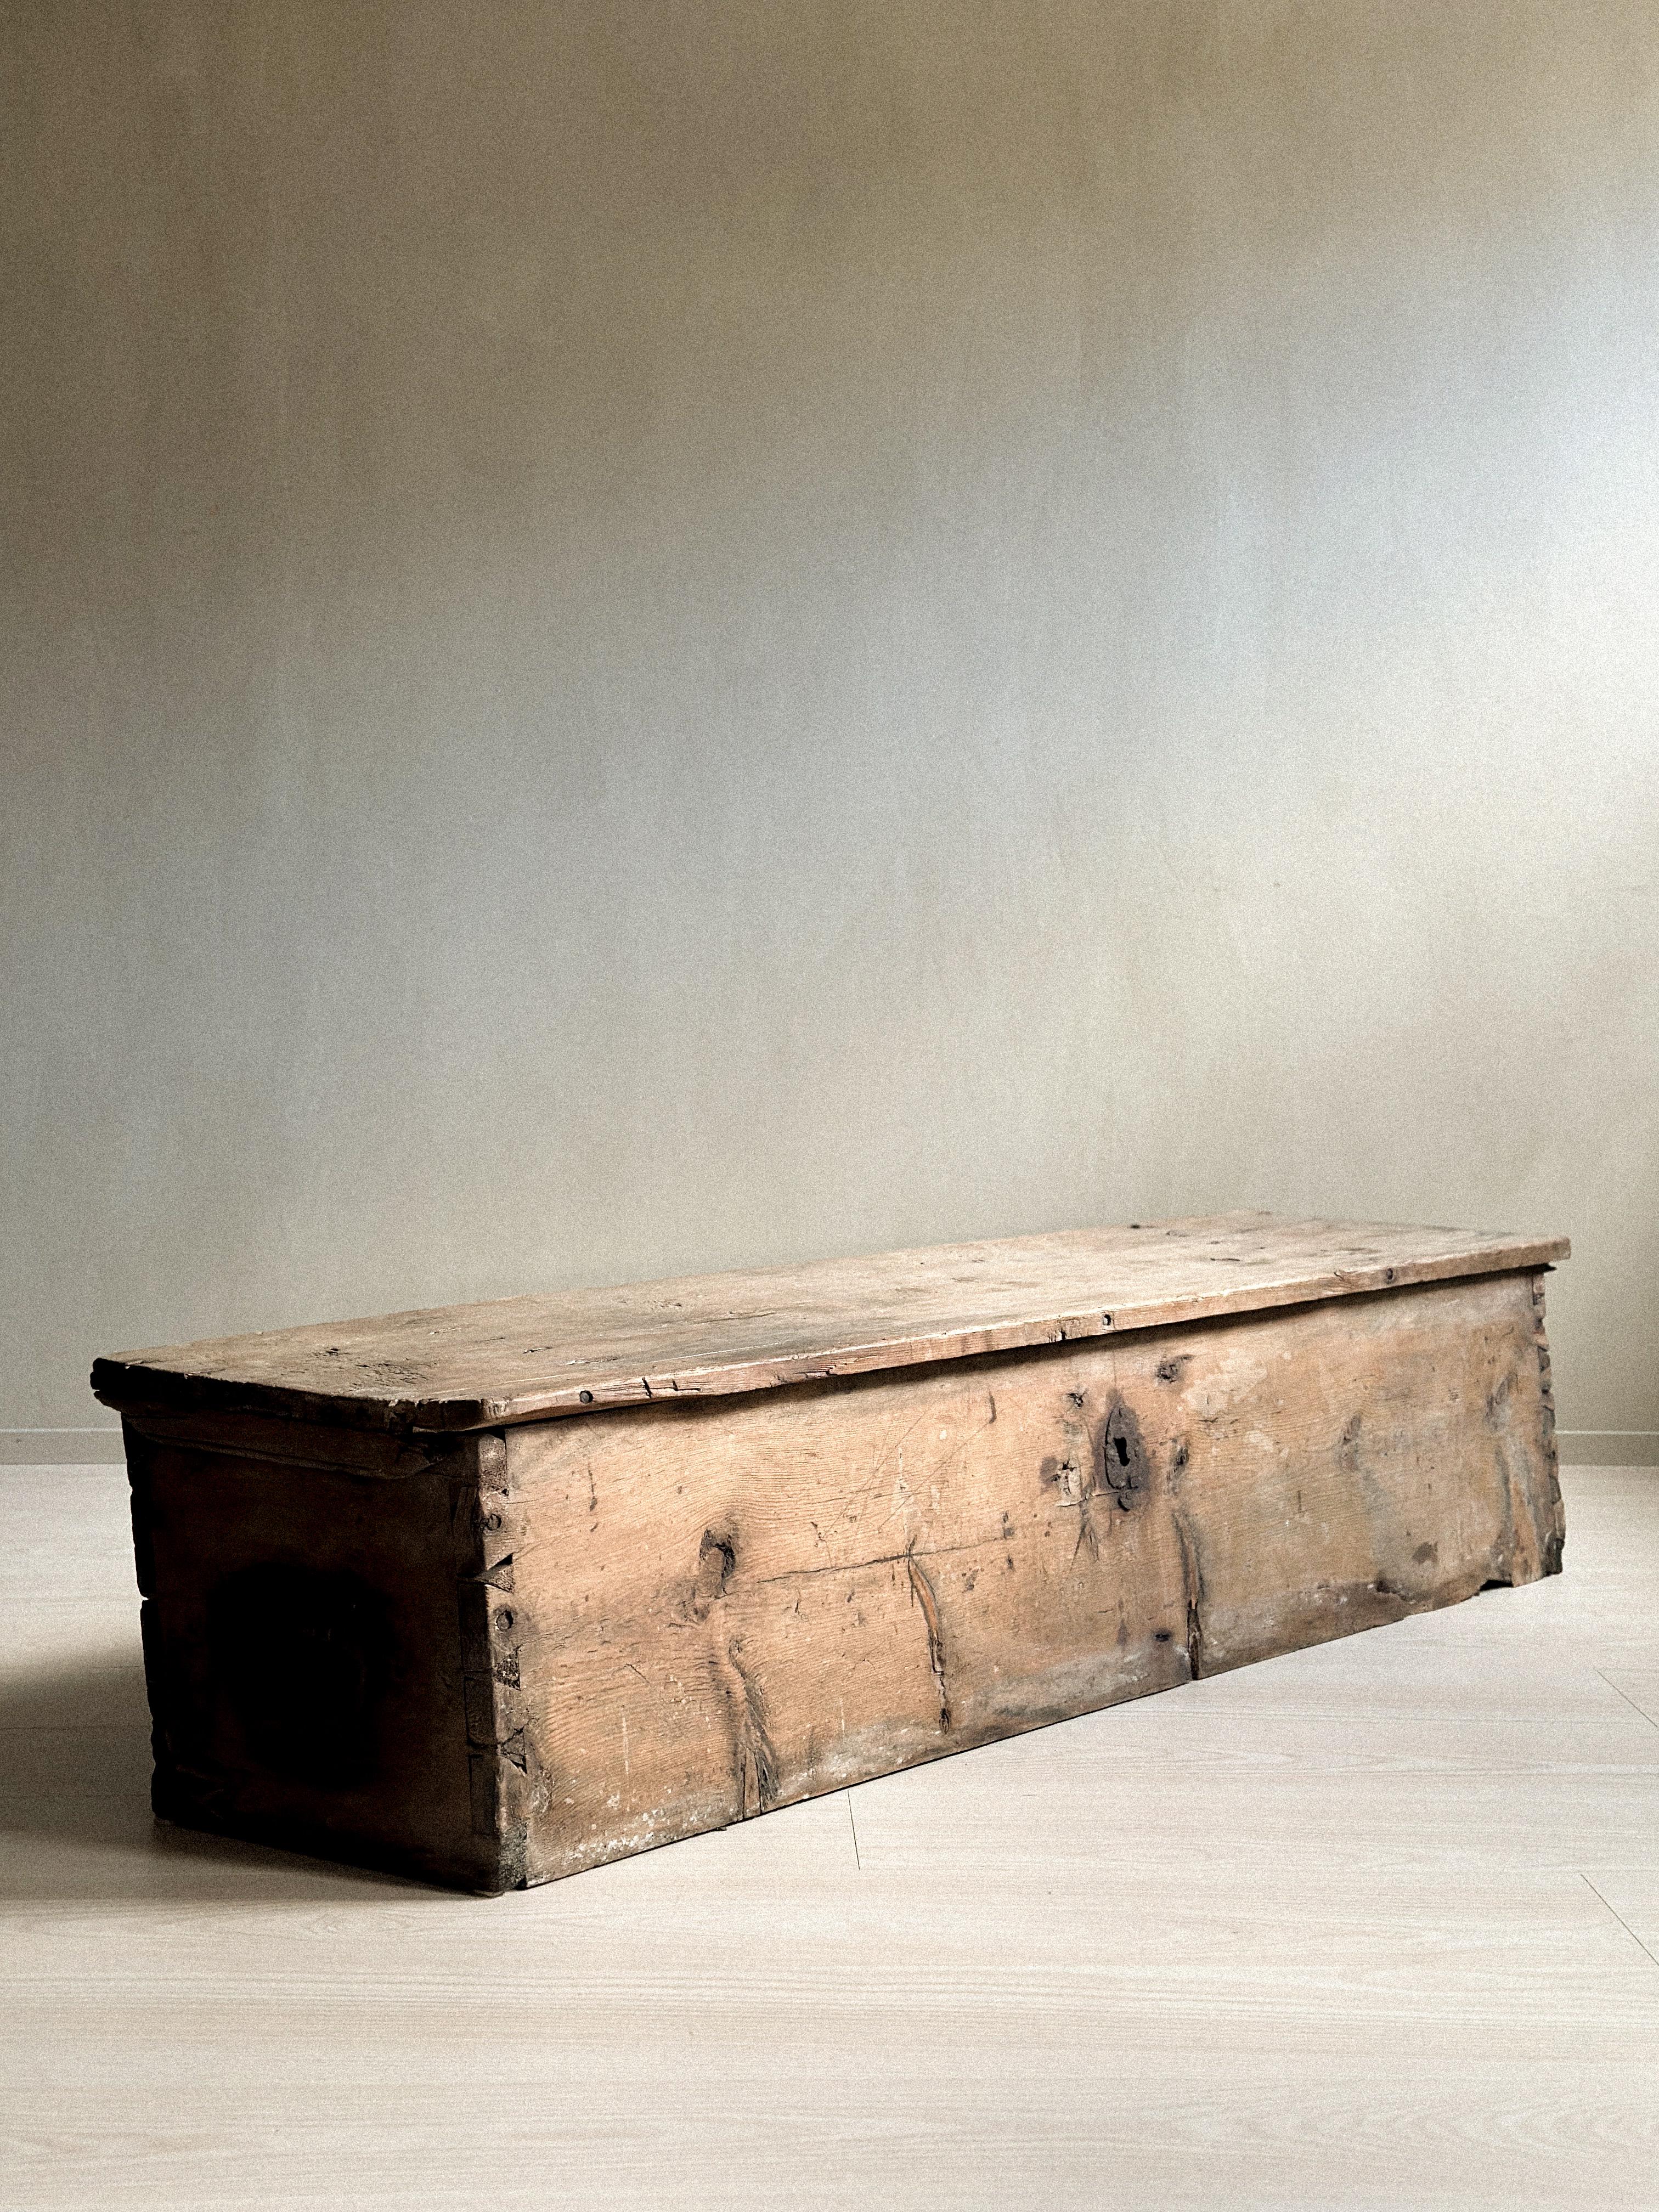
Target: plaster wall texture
<point>639,637</point>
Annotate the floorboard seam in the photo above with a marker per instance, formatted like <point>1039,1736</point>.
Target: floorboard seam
<point>1620,1919</point>
<point>1629,1700</point>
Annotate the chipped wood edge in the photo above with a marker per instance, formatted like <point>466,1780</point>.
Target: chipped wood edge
<point>503,1775</point>
<point>1552,1531</point>
<point>131,1386</point>
<point>141,1509</point>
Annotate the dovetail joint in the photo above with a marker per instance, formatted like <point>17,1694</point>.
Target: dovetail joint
<point>503,1767</point>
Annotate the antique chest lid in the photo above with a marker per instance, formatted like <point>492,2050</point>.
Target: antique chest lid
<point>576,1351</point>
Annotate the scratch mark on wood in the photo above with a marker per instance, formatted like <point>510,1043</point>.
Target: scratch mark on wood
<point>881,1559</point>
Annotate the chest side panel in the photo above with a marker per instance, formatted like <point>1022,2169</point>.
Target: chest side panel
<point>303,1630</point>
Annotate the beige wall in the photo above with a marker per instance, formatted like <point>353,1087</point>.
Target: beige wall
<point>642,637</point>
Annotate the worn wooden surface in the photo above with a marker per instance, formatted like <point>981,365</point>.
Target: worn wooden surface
<point>518,1359</point>
<point>308,1631</point>
<point>699,1612</point>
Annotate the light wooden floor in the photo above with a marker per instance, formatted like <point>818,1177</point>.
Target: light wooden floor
<point>1377,1926</point>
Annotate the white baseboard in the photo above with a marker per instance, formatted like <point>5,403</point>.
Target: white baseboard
<point>61,1447</point>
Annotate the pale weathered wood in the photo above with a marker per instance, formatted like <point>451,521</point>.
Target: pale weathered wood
<point>519,1359</point>
<point>714,1610</point>
<point>498,1656</point>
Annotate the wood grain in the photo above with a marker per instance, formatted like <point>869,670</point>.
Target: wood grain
<point>714,1610</point>
<point>529,1359</point>
<point>312,1679</point>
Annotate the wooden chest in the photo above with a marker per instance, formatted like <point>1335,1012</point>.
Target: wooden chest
<point>495,1593</point>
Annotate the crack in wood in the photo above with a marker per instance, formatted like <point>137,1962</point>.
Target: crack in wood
<point>922,1590</point>
<point>1191,1584</point>
<point>755,1755</point>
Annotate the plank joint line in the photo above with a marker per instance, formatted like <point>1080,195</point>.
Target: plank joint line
<point>1620,1919</point>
